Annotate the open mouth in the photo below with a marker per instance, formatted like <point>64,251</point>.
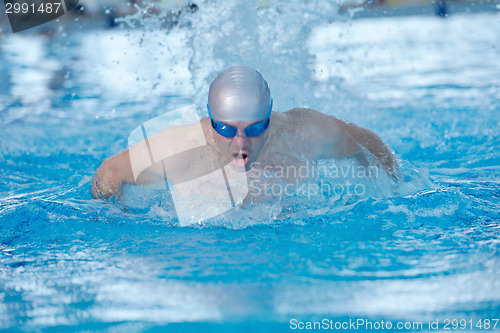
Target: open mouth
<point>240,159</point>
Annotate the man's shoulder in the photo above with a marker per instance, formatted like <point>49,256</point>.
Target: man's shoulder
<point>306,117</point>
<point>300,112</point>
<point>305,123</point>
<point>301,131</point>
<point>301,121</point>
<point>292,115</point>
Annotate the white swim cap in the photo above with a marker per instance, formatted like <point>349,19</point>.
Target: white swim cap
<point>239,93</point>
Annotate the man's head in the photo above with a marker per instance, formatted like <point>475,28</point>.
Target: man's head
<point>239,105</point>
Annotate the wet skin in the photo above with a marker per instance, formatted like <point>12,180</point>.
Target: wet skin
<point>292,138</point>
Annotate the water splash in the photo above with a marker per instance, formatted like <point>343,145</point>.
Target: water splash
<point>259,35</point>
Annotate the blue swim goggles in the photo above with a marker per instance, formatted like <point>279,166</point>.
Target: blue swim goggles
<point>228,131</point>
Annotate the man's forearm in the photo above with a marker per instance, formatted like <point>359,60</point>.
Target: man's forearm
<point>364,138</point>
<point>111,175</point>
<point>117,170</point>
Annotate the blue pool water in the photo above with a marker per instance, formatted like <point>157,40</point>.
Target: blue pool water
<point>422,251</point>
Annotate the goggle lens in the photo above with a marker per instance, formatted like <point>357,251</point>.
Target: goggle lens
<point>229,131</point>
<point>257,128</point>
<point>224,130</point>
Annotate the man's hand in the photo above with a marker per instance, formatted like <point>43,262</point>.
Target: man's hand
<point>106,182</point>
<point>110,176</point>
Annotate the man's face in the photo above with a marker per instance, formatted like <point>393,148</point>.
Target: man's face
<point>241,150</point>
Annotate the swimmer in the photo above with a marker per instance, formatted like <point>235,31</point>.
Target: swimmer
<point>242,130</point>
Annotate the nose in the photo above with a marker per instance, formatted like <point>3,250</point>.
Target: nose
<point>240,140</point>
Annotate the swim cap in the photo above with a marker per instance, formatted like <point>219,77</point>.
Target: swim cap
<point>239,93</point>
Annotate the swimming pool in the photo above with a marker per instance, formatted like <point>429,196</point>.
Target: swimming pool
<point>426,251</point>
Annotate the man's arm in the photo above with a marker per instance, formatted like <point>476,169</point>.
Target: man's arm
<point>114,172</point>
<point>360,138</point>
<point>339,139</point>
<point>180,152</point>
<point>110,176</point>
